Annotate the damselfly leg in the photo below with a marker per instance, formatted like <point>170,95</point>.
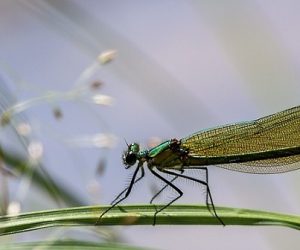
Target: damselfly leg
<point>128,191</point>
<point>209,196</point>
<point>168,183</point>
<point>161,190</point>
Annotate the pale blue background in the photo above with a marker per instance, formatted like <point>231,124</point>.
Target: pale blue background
<point>181,66</point>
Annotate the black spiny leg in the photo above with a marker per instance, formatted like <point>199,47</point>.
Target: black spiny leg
<point>161,190</point>
<point>168,183</point>
<point>138,179</point>
<point>209,196</point>
<point>126,194</point>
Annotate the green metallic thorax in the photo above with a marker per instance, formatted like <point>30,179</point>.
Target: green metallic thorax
<point>155,156</point>
<point>159,149</point>
<point>160,156</point>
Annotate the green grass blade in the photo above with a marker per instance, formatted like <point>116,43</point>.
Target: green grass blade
<point>67,244</point>
<point>143,215</point>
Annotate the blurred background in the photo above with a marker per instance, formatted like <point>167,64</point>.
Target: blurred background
<point>166,69</point>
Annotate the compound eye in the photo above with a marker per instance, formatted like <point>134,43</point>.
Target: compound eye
<point>130,158</point>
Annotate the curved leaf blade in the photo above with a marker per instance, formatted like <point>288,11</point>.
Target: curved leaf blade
<point>143,215</point>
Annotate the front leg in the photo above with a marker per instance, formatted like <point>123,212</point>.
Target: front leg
<point>138,179</point>
<point>128,190</point>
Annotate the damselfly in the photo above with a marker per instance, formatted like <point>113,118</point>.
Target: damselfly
<point>268,145</point>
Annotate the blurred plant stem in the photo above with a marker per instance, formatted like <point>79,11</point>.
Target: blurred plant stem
<point>4,190</point>
<point>39,178</point>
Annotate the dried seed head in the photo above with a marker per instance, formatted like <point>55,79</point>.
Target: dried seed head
<point>96,85</point>
<point>103,100</point>
<point>107,56</point>
<point>5,118</point>
<point>57,113</point>
<point>24,128</point>
<point>35,150</point>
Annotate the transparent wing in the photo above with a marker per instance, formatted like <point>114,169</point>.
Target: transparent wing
<point>274,132</point>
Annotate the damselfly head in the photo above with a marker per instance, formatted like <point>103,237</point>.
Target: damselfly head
<point>130,156</point>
